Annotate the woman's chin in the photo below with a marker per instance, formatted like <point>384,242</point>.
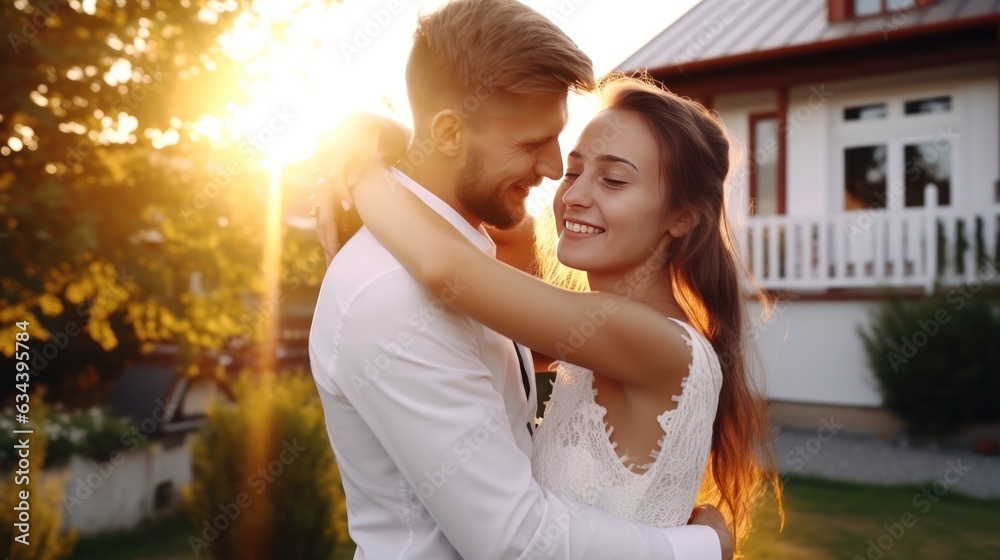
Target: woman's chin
<point>571,259</point>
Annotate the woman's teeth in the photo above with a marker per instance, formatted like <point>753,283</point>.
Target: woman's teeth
<point>580,228</point>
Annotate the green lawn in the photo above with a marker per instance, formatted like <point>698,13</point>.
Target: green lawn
<point>824,521</point>
<point>832,520</point>
<point>165,539</point>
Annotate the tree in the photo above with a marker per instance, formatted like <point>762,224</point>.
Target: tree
<point>129,215</point>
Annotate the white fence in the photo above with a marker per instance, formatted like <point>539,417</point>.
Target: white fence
<point>912,247</point>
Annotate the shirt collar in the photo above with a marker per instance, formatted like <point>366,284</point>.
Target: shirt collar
<point>478,236</point>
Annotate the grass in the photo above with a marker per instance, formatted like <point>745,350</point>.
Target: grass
<point>163,539</point>
<point>833,520</point>
<point>824,521</point>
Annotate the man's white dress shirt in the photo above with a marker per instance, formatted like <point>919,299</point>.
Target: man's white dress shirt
<point>428,419</point>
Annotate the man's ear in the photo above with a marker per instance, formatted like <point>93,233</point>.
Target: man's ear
<point>682,221</point>
<point>448,129</point>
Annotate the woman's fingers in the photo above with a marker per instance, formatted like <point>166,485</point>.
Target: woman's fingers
<point>326,229</point>
<point>343,159</point>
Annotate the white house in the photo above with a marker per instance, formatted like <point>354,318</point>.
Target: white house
<point>863,123</point>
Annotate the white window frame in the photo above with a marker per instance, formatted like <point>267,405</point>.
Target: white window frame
<point>895,131</point>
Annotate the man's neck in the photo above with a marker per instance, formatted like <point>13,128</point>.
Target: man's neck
<point>437,182</point>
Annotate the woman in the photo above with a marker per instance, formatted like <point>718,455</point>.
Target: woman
<point>653,392</point>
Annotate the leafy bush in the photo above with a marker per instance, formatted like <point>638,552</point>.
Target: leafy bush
<point>937,360</point>
<point>46,541</point>
<point>92,433</point>
<point>265,484</point>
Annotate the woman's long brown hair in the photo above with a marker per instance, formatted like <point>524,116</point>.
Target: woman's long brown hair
<point>710,282</point>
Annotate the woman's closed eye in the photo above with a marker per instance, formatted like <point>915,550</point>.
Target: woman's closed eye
<point>571,176</point>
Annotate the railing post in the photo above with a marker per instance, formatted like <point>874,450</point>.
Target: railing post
<point>930,229</point>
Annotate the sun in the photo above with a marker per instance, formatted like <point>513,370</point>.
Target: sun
<point>306,72</point>
<point>311,63</point>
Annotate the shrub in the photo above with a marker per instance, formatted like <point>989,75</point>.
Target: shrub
<point>265,484</point>
<point>46,541</point>
<point>92,433</point>
<point>937,360</point>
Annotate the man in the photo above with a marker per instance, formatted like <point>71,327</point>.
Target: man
<point>429,413</point>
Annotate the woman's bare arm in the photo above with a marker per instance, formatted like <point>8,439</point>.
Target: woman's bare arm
<point>608,333</point>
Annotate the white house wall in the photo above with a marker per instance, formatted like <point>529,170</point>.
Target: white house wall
<point>814,174</point>
<point>811,349</point>
<point>102,496</point>
<point>812,353</point>
<point>808,163</point>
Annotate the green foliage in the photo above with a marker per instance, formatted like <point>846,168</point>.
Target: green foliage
<point>265,483</point>
<point>46,539</point>
<point>114,202</point>
<point>937,359</point>
<point>92,433</point>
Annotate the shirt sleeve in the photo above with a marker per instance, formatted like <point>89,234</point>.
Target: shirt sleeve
<point>412,370</point>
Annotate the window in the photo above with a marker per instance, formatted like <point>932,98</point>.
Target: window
<point>865,177</point>
<point>930,105</point>
<point>764,165</point>
<point>844,10</point>
<point>864,8</point>
<point>865,112</point>
<point>927,163</point>
<point>890,151</point>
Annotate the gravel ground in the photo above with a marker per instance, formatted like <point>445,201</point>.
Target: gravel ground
<point>869,460</point>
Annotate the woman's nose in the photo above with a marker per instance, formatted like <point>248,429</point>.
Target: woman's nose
<point>578,193</point>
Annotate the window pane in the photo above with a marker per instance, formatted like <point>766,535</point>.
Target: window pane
<point>901,4</point>
<point>765,133</point>
<point>867,7</point>
<point>930,105</point>
<point>864,177</point>
<point>928,162</point>
<point>865,112</point>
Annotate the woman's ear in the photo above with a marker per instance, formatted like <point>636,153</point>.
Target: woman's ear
<point>448,130</point>
<point>682,222</point>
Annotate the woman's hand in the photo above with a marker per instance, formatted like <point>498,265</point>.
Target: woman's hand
<point>356,146</point>
<point>341,158</point>
<point>709,516</point>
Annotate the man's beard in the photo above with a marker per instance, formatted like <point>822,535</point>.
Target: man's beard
<point>482,200</point>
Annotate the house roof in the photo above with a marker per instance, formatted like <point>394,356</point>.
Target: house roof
<point>136,392</point>
<point>716,31</point>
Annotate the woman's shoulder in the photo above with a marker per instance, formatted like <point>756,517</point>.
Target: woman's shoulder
<point>702,355</point>
<point>688,350</point>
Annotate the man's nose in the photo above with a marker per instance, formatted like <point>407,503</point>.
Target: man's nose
<point>549,163</point>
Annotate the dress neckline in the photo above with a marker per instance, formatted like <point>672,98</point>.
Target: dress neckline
<point>663,419</point>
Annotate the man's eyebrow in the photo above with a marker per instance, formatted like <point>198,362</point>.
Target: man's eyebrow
<point>605,157</point>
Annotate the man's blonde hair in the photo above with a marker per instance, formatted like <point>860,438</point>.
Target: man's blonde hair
<point>473,51</point>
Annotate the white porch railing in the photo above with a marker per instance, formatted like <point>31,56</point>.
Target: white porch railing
<point>913,247</point>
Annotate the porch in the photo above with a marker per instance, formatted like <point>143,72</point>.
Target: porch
<point>874,248</point>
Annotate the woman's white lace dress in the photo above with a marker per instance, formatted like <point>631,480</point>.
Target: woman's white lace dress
<point>574,455</point>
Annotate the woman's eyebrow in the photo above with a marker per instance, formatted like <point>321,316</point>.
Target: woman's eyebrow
<point>606,157</point>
